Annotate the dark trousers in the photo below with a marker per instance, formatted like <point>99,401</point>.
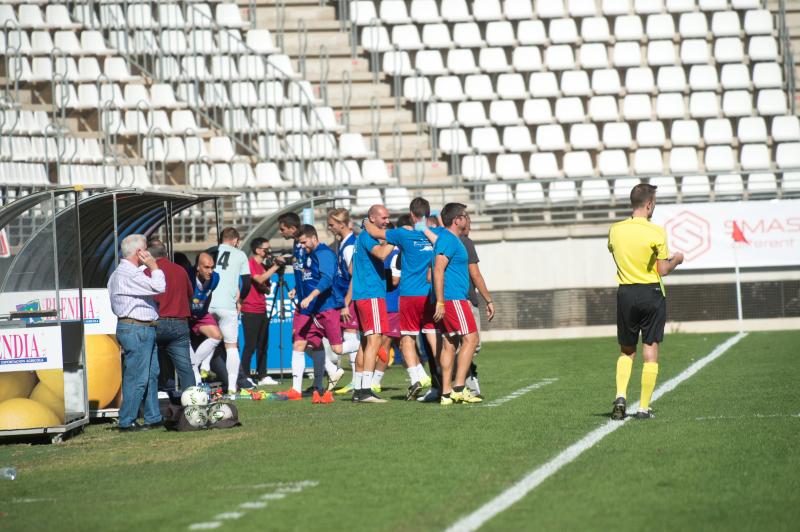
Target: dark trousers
<point>172,336</point>
<point>256,335</point>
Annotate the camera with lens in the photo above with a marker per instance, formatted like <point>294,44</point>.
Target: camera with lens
<point>282,259</point>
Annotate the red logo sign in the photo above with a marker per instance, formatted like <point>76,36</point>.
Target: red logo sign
<point>689,233</point>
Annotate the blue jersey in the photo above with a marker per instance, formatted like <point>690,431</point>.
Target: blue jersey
<point>341,282</point>
<point>202,294</point>
<point>369,277</point>
<point>456,275</point>
<point>318,274</point>
<point>300,255</point>
<point>392,270</point>
<point>414,261</point>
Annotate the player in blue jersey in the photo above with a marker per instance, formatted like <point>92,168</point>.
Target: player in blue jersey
<point>340,226</point>
<point>289,226</point>
<point>368,291</point>
<point>392,336</point>
<point>416,307</point>
<point>233,287</point>
<point>453,312</point>
<point>318,316</point>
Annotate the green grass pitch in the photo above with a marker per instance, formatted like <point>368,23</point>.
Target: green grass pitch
<point>722,454</point>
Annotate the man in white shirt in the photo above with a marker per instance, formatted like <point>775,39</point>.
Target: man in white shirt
<point>233,287</point>
<point>132,301</point>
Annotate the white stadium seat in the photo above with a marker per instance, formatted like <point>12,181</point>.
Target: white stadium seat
<point>752,129</point>
<point>728,184</point>
<point>695,185</point>
<point>617,135</point>
<point>787,155</point>
<point>683,160</point>
<point>472,114</point>
<point>754,157</point>
<point>718,131</point>
<point>578,164</point>
<point>719,159</point>
<point>562,191</point>
<point>685,133</point>
<point>510,166</point>
<point>612,163</point>
<point>785,129</point>
<point>543,165</point>
<point>476,167</point>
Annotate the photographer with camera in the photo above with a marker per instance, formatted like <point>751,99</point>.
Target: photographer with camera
<point>254,314</point>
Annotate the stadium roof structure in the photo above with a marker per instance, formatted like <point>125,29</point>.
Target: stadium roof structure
<point>104,219</point>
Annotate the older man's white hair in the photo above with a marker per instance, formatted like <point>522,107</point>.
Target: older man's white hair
<point>131,244</point>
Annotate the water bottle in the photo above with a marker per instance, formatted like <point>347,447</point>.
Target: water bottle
<point>8,473</point>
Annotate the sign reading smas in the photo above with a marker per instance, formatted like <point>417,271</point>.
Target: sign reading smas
<point>704,233</point>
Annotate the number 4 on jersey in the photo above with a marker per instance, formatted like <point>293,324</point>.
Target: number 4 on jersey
<point>223,259</point>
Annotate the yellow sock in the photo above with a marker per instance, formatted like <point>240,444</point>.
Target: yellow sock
<point>649,374</point>
<point>624,367</point>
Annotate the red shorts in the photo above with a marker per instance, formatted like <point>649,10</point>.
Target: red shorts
<point>393,318</point>
<point>458,319</point>
<point>352,323</point>
<point>372,318</point>
<point>314,328</point>
<point>416,314</point>
<point>208,319</point>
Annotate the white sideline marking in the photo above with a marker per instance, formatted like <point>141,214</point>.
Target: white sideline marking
<point>534,478</point>
<point>757,416</point>
<point>229,515</point>
<point>281,491</point>
<point>205,526</point>
<point>254,505</point>
<point>521,391</point>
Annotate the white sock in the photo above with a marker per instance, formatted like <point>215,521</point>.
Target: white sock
<point>421,375</point>
<point>204,352</point>
<point>352,357</point>
<point>350,342</point>
<point>366,380</point>
<point>232,362</point>
<point>412,374</point>
<point>358,377</point>
<point>195,369</point>
<point>376,378</point>
<point>298,366</point>
<point>330,365</point>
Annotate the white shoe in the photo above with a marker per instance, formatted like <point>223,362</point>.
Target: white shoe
<point>431,397</point>
<point>334,379</point>
<point>267,381</point>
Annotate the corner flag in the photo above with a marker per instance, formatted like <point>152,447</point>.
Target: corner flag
<point>738,235</point>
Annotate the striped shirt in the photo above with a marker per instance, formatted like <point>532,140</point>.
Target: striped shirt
<point>131,292</point>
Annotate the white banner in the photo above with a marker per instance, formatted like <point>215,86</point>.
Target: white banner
<point>97,315</point>
<point>704,233</point>
<point>30,348</point>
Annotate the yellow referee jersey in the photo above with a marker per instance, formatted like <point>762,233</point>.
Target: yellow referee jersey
<point>636,243</point>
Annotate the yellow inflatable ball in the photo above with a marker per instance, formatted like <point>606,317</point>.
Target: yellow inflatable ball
<point>52,379</point>
<point>44,395</point>
<point>16,384</point>
<point>25,414</point>
<point>103,370</point>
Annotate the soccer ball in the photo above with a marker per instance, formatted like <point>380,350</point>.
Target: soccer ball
<point>194,395</point>
<point>196,415</point>
<point>219,411</point>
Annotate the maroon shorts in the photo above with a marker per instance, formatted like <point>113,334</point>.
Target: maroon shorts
<point>208,319</point>
<point>458,319</point>
<point>372,317</point>
<point>393,319</point>
<point>352,323</point>
<point>314,328</point>
<point>416,314</point>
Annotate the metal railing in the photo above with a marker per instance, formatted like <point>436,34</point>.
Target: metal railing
<point>788,58</point>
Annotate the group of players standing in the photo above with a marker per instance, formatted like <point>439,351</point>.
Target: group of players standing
<point>390,282</point>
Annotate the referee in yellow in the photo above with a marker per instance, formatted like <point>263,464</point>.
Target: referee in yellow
<point>639,248</point>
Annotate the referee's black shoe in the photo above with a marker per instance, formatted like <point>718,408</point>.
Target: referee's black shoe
<point>644,414</point>
<point>618,412</point>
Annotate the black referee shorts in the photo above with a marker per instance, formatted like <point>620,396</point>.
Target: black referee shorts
<point>640,307</point>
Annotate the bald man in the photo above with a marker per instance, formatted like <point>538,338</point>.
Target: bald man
<point>368,292</point>
<point>204,280</point>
